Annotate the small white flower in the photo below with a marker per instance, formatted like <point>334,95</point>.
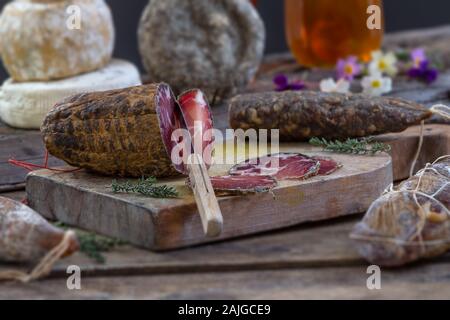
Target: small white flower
<point>383,63</point>
<point>329,85</point>
<point>376,84</point>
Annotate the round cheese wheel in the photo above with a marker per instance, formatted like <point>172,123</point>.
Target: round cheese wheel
<point>25,104</point>
<point>41,40</point>
<point>216,46</point>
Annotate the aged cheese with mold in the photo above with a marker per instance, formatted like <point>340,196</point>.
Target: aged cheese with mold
<point>39,43</point>
<point>216,46</point>
<point>24,105</point>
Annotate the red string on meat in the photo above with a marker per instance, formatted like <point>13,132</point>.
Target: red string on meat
<point>32,167</point>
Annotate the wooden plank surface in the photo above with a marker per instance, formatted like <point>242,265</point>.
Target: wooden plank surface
<point>316,260</point>
<point>86,201</point>
<point>429,281</point>
<point>25,145</point>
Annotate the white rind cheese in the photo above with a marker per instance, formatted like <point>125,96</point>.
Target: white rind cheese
<point>39,39</point>
<point>25,105</point>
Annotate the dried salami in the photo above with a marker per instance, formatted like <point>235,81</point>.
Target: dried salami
<point>409,223</point>
<point>300,115</point>
<point>27,237</point>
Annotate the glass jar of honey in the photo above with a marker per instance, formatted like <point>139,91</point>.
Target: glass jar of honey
<point>319,32</point>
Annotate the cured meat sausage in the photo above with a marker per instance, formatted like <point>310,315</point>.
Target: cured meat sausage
<point>410,223</point>
<point>126,132</point>
<point>25,236</point>
<point>301,115</point>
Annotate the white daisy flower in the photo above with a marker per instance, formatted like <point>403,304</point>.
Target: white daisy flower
<point>329,85</point>
<point>376,84</point>
<point>383,63</point>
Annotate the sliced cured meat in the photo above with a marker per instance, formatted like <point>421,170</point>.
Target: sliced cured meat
<point>281,166</point>
<point>190,111</point>
<point>243,184</point>
<point>261,174</point>
<point>170,119</point>
<point>198,118</point>
<point>327,165</point>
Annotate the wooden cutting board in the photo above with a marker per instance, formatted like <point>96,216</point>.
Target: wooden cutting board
<point>436,143</point>
<point>86,201</point>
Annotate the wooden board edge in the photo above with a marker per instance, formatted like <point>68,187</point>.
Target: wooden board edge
<point>45,187</point>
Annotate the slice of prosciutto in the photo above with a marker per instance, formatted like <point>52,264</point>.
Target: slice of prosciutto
<point>261,174</point>
<point>198,118</point>
<point>191,113</point>
<point>243,184</point>
<point>327,165</point>
<point>281,166</point>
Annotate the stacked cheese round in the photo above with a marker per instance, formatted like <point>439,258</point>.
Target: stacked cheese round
<point>24,105</point>
<point>42,40</point>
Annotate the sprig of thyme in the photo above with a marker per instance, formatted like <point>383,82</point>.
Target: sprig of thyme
<point>352,146</point>
<point>93,245</point>
<point>145,187</point>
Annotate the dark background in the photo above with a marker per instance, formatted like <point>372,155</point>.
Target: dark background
<point>399,14</point>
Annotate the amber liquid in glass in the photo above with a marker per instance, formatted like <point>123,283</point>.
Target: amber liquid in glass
<point>319,32</point>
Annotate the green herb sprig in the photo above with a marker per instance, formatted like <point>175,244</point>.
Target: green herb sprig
<point>351,146</point>
<point>145,187</point>
<point>93,245</point>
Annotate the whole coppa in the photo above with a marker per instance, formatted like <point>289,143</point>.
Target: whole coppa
<point>126,132</point>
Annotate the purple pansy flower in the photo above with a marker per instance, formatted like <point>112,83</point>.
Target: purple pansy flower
<point>348,68</point>
<point>282,84</point>
<point>424,72</point>
<point>418,56</point>
<point>421,67</point>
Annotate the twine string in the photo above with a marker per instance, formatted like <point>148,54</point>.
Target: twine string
<point>45,265</point>
<point>440,110</point>
<point>423,210</point>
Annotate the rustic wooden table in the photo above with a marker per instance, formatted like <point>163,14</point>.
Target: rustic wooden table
<point>308,262</point>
